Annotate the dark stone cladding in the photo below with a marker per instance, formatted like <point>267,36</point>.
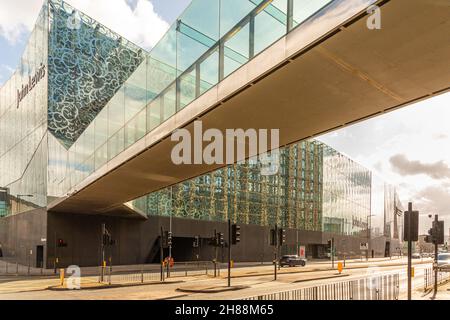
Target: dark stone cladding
<point>135,239</point>
<point>20,234</point>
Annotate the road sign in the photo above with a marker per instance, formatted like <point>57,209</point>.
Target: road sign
<point>364,246</point>
<point>411,232</point>
<point>302,252</point>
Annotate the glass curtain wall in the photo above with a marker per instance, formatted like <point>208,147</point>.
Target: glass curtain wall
<point>393,213</point>
<point>347,188</point>
<point>23,127</point>
<point>290,198</point>
<point>209,41</point>
<point>87,66</point>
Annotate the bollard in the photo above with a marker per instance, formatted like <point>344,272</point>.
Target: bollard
<point>61,277</point>
<point>142,274</point>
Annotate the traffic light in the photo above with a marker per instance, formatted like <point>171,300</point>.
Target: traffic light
<point>221,239</point>
<point>61,243</point>
<point>273,237</point>
<point>235,234</point>
<point>196,243</point>
<point>169,238</point>
<point>413,218</point>
<point>429,237</point>
<point>436,233</point>
<point>282,235</point>
<point>329,244</point>
<point>107,240</point>
<point>438,226</point>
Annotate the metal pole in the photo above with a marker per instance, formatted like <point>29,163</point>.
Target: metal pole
<point>290,15</point>
<point>435,258</point>
<point>170,229</point>
<point>56,255</point>
<point>229,252</point>
<point>215,254</point>
<point>161,254</point>
<point>345,249</point>
<point>29,260</point>
<point>367,251</point>
<point>370,236</point>
<point>332,253</point>
<point>409,249</point>
<point>103,252</point>
<point>275,251</point>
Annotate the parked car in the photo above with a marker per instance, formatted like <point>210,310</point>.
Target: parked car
<point>416,256</point>
<point>443,261</point>
<point>292,261</point>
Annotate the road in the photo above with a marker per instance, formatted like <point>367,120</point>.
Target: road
<point>256,279</point>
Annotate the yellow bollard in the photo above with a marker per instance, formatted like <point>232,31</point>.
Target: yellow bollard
<point>231,263</point>
<point>61,276</point>
<point>412,272</point>
<point>340,267</point>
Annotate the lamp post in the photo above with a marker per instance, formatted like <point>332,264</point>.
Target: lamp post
<point>369,223</point>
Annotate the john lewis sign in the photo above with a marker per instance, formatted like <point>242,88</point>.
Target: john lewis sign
<point>32,81</point>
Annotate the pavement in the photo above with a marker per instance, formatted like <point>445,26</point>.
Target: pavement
<point>443,292</point>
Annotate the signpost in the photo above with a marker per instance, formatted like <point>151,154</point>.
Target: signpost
<point>274,242</point>
<point>436,236</point>
<point>302,252</point>
<point>332,249</point>
<point>411,233</point>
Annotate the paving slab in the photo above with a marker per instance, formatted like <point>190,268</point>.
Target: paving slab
<point>216,289</point>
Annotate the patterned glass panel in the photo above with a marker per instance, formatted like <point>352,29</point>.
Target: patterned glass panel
<point>87,65</point>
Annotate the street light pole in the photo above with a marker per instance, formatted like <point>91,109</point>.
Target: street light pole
<point>436,219</point>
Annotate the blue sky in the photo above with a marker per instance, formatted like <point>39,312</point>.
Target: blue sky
<point>9,54</point>
<point>408,147</point>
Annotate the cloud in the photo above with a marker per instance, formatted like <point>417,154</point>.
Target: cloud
<point>405,167</point>
<point>439,136</point>
<point>17,18</point>
<point>430,201</point>
<point>135,20</point>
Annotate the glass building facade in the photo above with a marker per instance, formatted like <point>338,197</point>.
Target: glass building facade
<point>91,94</point>
<point>209,41</point>
<point>316,188</point>
<point>347,188</point>
<point>23,125</point>
<point>393,213</point>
